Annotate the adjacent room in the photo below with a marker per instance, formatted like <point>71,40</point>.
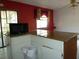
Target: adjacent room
<point>39,29</point>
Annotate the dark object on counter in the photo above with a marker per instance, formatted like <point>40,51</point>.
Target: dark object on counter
<point>18,28</point>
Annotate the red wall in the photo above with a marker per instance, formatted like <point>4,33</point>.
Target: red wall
<point>26,14</point>
<point>51,23</point>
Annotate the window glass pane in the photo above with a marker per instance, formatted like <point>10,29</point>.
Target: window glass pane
<point>3,22</point>
<point>5,39</point>
<point>42,32</point>
<point>0,42</point>
<point>12,16</point>
<point>3,14</point>
<point>0,39</point>
<point>5,30</point>
<point>38,23</point>
<point>42,23</point>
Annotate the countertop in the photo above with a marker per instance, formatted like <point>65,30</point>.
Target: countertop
<point>62,36</point>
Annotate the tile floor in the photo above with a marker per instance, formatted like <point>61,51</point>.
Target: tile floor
<point>3,53</point>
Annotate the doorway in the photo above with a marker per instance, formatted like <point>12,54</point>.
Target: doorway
<point>6,17</point>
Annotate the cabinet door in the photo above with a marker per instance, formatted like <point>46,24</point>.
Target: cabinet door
<point>51,53</point>
<point>48,48</point>
<point>52,49</point>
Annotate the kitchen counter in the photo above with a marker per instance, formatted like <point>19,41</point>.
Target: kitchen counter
<point>50,45</point>
<point>62,36</point>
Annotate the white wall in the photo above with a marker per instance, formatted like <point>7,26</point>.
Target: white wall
<point>67,19</point>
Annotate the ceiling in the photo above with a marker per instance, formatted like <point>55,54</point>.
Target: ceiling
<point>51,4</point>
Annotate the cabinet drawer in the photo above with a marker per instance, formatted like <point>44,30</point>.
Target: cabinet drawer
<point>51,53</point>
<point>53,44</point>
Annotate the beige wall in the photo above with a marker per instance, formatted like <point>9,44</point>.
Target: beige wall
<point>67,19</point>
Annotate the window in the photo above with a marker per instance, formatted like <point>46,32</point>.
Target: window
<point>11,16</point>
<point>6,18</point>
<point>42,32</point>
<point>42,22</point>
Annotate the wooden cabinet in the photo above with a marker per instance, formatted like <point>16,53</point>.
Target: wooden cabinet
<point>53,48</point>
